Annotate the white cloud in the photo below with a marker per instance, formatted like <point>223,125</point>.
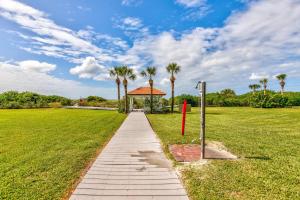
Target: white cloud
<point>50,39</point>
<point>164,81</point>
<point>263,40</point>
<point>131,2</point>
<point>132,22</point>
<point>83,8</point>
<point>191,3</point>
<point>13,77</point>
<point>195,9</point>
<point>34,65</point>
<point>89,68</point>
<point>47,32</point>
<point>133,27</point>
<point>255,76</point>
<point>111,43</point>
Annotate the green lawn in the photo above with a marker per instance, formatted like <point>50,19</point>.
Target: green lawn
<point>44,151</point>
<point>267,140</point>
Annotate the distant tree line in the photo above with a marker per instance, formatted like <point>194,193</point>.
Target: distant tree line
<point>257,98</point>
<point>228,98</point>
<point>15,100</point>
<point>24,100</point>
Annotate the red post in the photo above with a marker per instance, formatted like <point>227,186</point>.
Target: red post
<point>183,117</point>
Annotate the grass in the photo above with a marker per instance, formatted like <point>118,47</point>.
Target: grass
<point>266,140</point>
<point>44,151</point>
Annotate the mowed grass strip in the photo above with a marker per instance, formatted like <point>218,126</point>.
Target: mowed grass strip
<point>44,151</point>
<point>267,140</point>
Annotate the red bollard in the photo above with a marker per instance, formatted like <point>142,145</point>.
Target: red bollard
<point>183,117</point>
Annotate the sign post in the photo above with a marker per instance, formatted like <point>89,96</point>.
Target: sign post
<point>202,93</point>
<point>183,117</point>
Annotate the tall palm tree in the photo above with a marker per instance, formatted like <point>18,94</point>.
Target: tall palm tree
<point>126,73</point>
<point>149,73</point>
<point>254,87</point>
<point>115,73</point>
<point>281,78</point>
<point>264,83</point>
<point>173,68</point>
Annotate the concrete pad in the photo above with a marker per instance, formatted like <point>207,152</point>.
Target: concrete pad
<point>192,152</point>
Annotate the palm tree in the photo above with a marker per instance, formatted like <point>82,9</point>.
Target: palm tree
<point>264,83</point>
<point>115,73</point>
<point>254,87</point>
<point>281,78</point>
<point>126,73</point>
<point>149,73</point>
<point>173,69</point>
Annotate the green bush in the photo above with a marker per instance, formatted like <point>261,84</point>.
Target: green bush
<point>193,100</point>
<point>14,100</point>
<point>55,105</point>
<point>12,105</point>
<point>95,99</point>
<point>259,100</point>
<point>294,98</point>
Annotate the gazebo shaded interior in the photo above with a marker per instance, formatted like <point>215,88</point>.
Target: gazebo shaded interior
<point>144,93</point>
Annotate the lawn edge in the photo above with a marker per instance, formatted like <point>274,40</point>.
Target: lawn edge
<point>67,194</point>
<point>171,158</point>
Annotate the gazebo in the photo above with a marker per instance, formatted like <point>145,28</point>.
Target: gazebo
<point>144,93</point>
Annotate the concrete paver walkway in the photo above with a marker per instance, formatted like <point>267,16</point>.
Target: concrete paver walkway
<point>132,166</point>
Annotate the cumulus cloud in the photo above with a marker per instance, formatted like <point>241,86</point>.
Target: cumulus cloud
<point>34,65</point>
<point>89,68</point>
<point>255,76</point>
<point>14,77</point>
<point>260,40</point>
<point>263,39</point>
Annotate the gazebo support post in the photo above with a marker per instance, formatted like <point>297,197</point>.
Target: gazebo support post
<point>131,103</point>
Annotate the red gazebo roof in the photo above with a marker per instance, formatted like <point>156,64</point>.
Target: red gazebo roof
<point>146,91</point>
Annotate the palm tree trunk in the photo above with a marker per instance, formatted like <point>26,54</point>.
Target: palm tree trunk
<point>119,95</point>
<point>282,87</point>
<point>265,90</point>
<point>172,104</point>
<point>151,96</point>
<point>126,104</point>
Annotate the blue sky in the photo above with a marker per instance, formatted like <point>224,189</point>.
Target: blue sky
<point>67,47</point>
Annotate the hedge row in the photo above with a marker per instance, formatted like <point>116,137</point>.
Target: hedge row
<point>228,98</point>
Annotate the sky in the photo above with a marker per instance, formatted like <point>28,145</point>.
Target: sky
<point>66,47</point>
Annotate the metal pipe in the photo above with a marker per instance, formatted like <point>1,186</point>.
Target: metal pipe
<point>202,134</point>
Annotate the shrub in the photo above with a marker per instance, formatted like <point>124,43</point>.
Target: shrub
<point>193,100</point>
<point>227,93</point>
<point>13,105</point>
<point>259,100</point>
<point>13,99</point>
<point>55,105</point>
<point>95,99</point>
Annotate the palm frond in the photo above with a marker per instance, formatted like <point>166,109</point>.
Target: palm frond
<point>143,74</point>
<point>173,68</point>
<point>281,77</point>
